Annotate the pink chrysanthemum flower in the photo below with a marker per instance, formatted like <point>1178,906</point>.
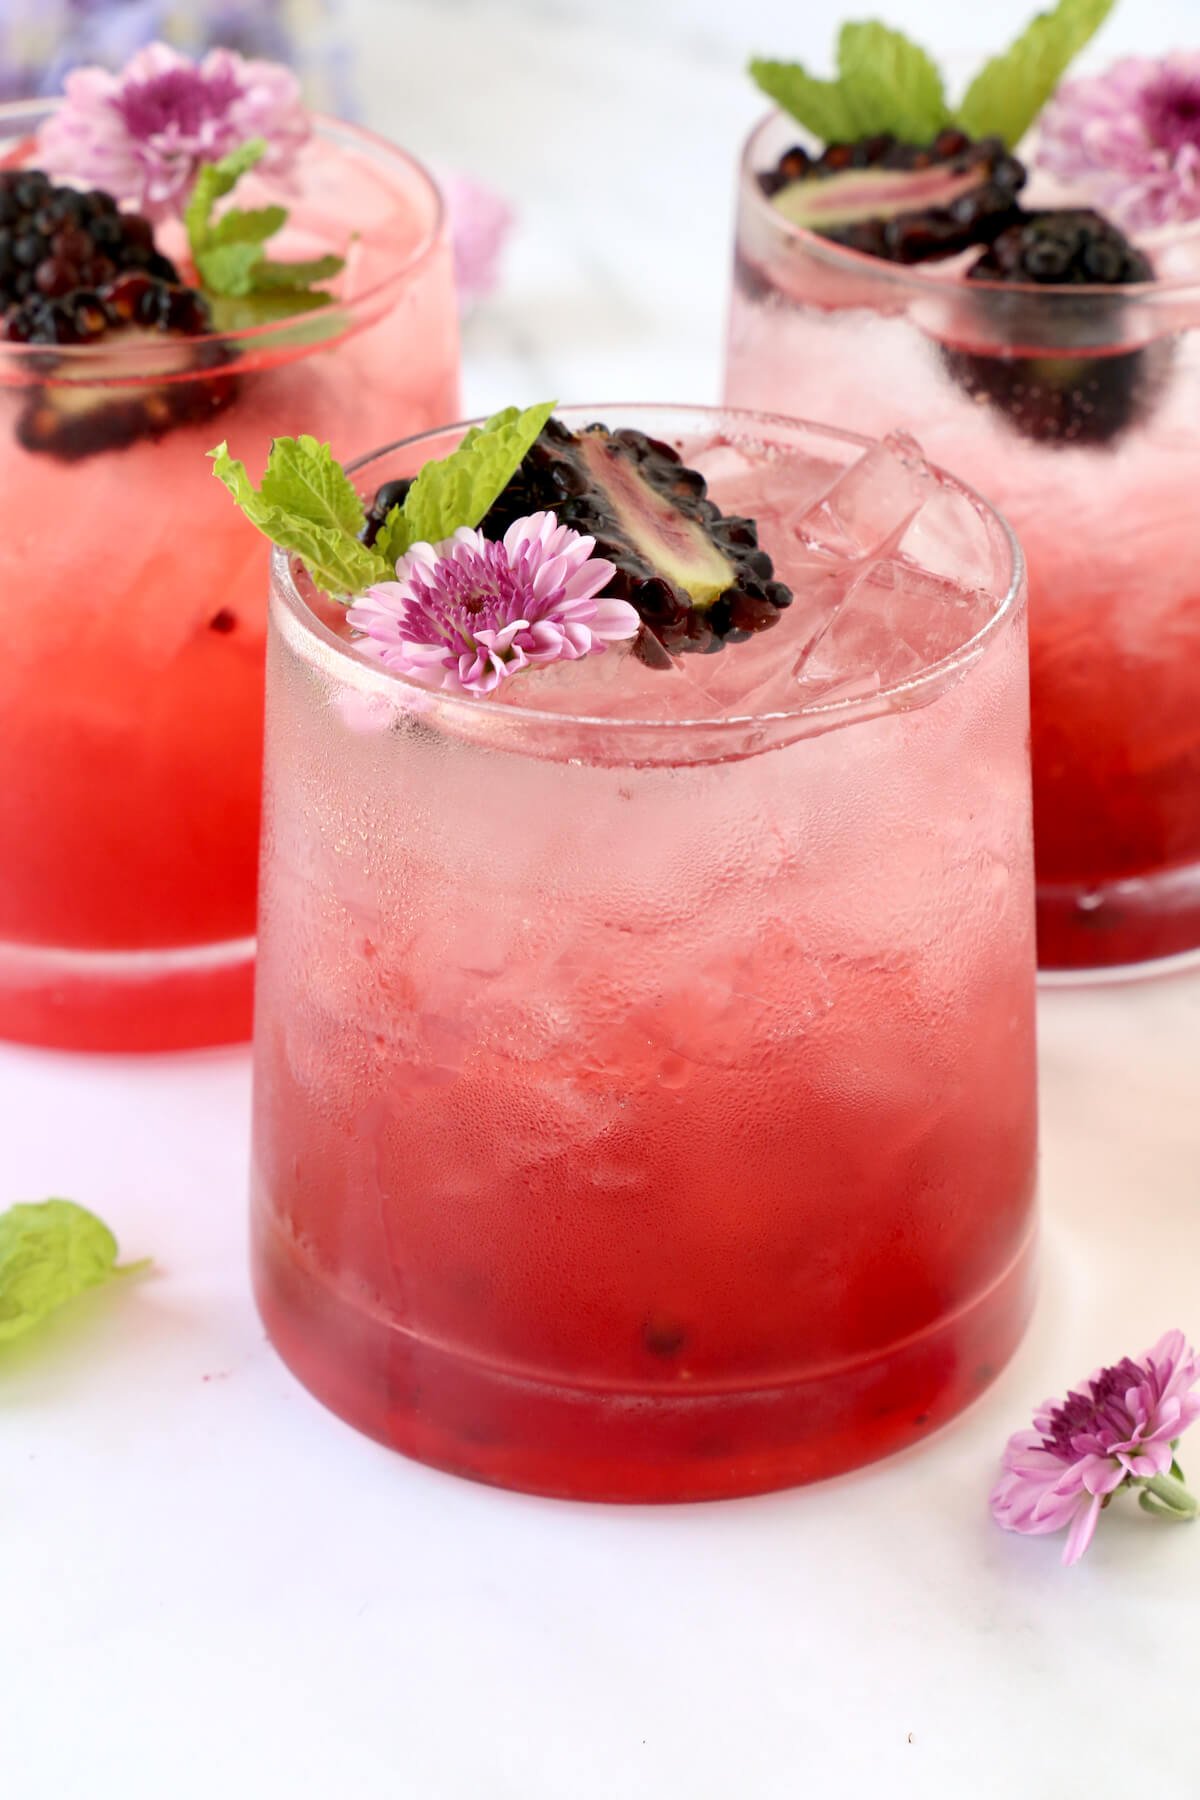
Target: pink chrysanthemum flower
<point>464,615</point>
<point>480,224</point>
<point>1121,1430</point>
<point>1129,140</point>
<point>143,135</point>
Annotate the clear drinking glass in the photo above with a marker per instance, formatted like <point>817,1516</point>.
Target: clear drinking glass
<point>133,609</point>
<point>1077,411</point>
<point>644,1067</point>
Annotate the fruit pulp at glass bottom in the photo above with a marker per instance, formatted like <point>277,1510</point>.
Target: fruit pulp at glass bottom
<point>1118,925</point>
<point>659,1444</point>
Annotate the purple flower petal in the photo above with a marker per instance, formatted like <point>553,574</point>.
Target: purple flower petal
<point>465,615</point>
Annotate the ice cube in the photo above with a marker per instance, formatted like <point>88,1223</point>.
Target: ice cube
<point>757,676</point>
<point>750,480</point>
<point>895,622</point>
<point>950,537</point>
<point>867,510</point>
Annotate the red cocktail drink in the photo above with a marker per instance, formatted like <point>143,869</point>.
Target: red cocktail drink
<point>644,1056</point>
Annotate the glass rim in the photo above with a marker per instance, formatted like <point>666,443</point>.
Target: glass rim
<point>921,277</point>
<point>822,715</point>
<point>344,314</point>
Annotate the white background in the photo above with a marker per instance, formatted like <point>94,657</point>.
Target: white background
<point>209,1586</point>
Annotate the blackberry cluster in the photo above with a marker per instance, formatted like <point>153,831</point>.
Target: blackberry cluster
<point>73,270</point>
<point>887,224</point>
<point>55,240</point>
<point>1062,248</point>
<point>558,476</point>
<point>1071,382</point>
<point>391,494</point>
<point>83,316</point>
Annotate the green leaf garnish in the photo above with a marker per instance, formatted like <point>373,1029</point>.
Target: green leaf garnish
<point>460,488</point>
<point>1010,91</point>
<point>885,82</point>
<point>893,80</point>
<point>306,503</point>
<point>820,106</point>
<point>230,253</point>
<point>51,1251</point>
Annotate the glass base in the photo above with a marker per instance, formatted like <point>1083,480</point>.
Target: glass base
<point>1119,930</point>
<point>578,1442</point>
<point>127,1000</point>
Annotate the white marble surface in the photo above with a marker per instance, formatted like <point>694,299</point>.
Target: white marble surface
<point>212,1586</point>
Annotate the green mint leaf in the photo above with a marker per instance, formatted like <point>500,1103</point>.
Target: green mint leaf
<point>50,1252</point>
<point>1010,91</point>
<point>460,488</point>
<point>214,181</point>
<point>820,106</point>
<point>229,252</point>
<point>272,277</point>
<point>890,84</point>
<point>253,225</point>
<point>231,312</point>
<point>307,504</point>
<point>229,268</point>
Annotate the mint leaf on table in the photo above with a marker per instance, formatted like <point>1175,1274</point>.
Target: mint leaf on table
<point>306,503</point>
<point>1010,91</point>
<point>230,254</point>
<point>50,1251</point>
<point>460,488</point>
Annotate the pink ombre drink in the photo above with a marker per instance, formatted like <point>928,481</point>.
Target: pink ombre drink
<point>1077,412</point>
<point>644,1056</point>
<point>135,614</point>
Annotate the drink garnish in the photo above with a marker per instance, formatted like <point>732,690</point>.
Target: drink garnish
<point>1073,380</point>
<point>307,504</point>
<point>173,137</point>
<point>51,1251</point>
<point>887,83</point>
<point>1128,139</point>
<point>75,270</point>
<point>245,286</point>
<point>529,543</point>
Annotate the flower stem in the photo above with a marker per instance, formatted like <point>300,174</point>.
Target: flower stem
<point>1170,1498</point>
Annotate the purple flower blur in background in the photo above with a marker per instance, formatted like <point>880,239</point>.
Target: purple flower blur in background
<point>1129,140</point>
<point>42,40</point>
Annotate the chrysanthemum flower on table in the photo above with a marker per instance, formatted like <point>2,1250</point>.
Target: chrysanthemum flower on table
<point>1121,1429</point>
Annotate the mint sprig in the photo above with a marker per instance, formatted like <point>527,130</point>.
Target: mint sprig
<point>51,1251</point>
<point>244,285</point>
<point>307,504</point>
<point>1010,91</point>
<point>460,488</point>
<point>885,82</point>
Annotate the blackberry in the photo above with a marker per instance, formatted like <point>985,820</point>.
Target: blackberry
<point>906,203</point>
<point>697,577</point>
<point>391,494</point>
<point>1070,382</point>
<point>55,240</point>
<point>104,404</point>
